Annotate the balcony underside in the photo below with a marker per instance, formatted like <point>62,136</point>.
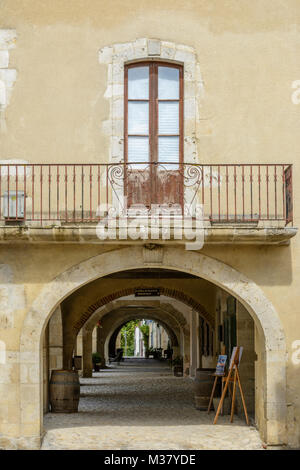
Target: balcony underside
<point>222,234</point>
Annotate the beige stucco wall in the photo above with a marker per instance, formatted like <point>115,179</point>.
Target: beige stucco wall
<point>248,56</point>
<point>59,91</point>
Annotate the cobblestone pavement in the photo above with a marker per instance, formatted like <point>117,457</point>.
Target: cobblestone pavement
<point>140,405</point>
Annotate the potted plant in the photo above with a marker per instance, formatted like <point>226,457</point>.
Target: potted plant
<point>150,352</point>
<point>177,364</point>
<point>96,359</point>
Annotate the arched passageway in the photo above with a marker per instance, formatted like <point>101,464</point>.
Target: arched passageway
<point>111,341</point>
<point>95,298</point>
<point>270,337</point>
<point>174,314</point>
<point>110,319</point>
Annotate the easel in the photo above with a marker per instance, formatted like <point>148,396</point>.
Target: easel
<point>213,390</point>
<point>234,366</point>
<point>222,377</point>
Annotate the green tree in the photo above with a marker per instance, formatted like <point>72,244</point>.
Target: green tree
<point>127,337</point>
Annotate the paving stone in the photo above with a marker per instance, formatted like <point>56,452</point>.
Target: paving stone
<point>140,405</point>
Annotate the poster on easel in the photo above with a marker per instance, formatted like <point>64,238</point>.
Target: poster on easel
<point>234,378</point>
<point>233,355</point>
<point>220,368</point>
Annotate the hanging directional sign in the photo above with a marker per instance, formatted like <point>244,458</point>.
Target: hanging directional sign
<point>147,292</point>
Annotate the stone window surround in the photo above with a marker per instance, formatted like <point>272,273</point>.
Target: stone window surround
<point>7,75</point>
<point>117,55</point>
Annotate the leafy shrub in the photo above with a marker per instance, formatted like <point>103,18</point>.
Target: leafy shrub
<point>96,358</point>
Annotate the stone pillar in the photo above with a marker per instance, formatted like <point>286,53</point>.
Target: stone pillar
<point>245,338</point>
<point>194,342</point>
<point>118,341</point>
<point>100,345</point>
<point>87,343</point>
<point>176,351</point>
<point>78,348</point>
<point>98,339</point>
<point>200,327</point>
<point>186,351</point>
<point>94,340</point>
<point>164,339</point>
<point>69,341</point>
<point>55,341</point>
<point>46,370</point>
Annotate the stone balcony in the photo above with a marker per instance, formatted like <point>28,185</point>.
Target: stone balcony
<point>229,234</point>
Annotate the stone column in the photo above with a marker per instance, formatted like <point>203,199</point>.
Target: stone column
<point>176,351</point>
<point>94,340</point>
<point>245,338</point>
<point>118,340</point>
<point>200,328</point>
<point>87,346</point>
<point>181,352</point>
<point>46,370</point>
<point>55,341</point>
<point>186,350</point>
<point>100,346</point>
<point>78,349</point>
<point>69,341</point>
<point>194,342</point>
<point>98,340</point>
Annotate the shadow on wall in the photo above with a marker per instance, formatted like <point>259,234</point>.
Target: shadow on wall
<point>265,265</point>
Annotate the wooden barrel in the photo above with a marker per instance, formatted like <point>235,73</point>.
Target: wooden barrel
<point>203,384</point>
<point>64,391</point>
<point>178,371</point>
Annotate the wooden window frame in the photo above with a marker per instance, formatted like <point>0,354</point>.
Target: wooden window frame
<point>153,109</point>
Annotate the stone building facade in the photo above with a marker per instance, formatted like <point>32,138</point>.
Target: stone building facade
<point>66,147</point>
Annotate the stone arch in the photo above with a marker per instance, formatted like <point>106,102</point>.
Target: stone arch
<point>107,302</point>
<point>173,293</point>
<point>118,326</point>
<point>156,316</point>
<point>171,315</point>
<point>118,323</point>
<point>170,318</point>
<point>114,315</point>
<point>163,306</point>
<point>237,284</point>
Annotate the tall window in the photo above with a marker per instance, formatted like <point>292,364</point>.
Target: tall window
<point>154,113</point>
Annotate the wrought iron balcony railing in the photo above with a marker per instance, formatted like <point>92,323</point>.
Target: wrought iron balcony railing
<point>73,193</point>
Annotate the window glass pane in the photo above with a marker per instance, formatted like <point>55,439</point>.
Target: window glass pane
<point>168,117</point>
<point>168,151</point>
<point>138,150</point>
<point>168,83</point>
<point>138,83</point>
<point>138,117</point>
